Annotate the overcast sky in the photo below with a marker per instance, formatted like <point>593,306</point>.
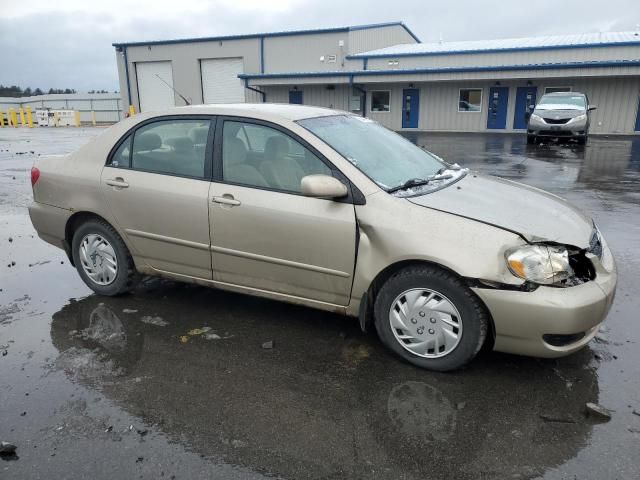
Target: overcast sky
<point>67,43</point>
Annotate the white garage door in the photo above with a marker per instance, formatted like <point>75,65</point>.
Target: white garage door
<point>220,82</point>
<point>155,94</point>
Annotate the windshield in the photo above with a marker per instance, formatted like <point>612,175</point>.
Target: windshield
<point>387,158</point>
<point>562,102</point>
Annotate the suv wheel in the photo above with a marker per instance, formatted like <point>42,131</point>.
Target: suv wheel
<point>430,318</point>
<point>102,259</point>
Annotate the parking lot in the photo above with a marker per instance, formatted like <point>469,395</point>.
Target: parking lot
<point>174,381</point>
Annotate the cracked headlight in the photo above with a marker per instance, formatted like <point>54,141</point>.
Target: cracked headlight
<point>542,264</point>
<point>579,118</point>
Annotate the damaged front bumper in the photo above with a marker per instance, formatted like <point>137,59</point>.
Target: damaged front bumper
<point>550,321</point>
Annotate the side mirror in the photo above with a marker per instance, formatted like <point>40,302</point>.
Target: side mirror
<point>591,108</point>
<point>322,186</point>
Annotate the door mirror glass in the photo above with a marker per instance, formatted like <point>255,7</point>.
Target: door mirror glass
<point>322,186</point>
<point>591,108</point>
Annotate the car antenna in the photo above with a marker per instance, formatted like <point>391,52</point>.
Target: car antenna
<point>176,91</point>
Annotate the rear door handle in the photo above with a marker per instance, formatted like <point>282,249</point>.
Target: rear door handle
<point>226,200</point>
<point>117,182</point>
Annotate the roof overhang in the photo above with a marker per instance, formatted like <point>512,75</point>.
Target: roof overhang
<point>440,73</point>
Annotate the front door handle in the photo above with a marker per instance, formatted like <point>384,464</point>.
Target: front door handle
<point>117,182</point>
<point>226,200</point>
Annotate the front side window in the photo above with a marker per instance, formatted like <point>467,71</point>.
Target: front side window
<point>175,147</point>
<point>470,100</point>
<point>387,158</point>
<point>260,156</point>
<point>381,101</point>
<point>122,155</point>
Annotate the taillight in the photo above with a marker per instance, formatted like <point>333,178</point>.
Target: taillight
<point>35,175</point>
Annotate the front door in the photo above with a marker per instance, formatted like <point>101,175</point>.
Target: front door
<point>525,103</point>
<point>156,185</point>
<point>497,114</point>
<point>410,107</point>
<point>266,235</point>
<point>295,97</point>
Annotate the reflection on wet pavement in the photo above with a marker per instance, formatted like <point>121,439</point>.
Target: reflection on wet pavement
<point>173,380</point>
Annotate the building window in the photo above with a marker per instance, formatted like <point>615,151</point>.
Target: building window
<point>556,89</point>
<point>381,101</point>
<point>470,100</point>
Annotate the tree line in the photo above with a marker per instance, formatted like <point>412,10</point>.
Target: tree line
<point>16,91</point>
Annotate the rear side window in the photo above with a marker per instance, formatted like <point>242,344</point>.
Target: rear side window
<point>122,156</point>
<point>174,147</point>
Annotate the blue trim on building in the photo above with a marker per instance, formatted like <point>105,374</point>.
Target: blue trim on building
<point>494,50</point>
<point>126,73</point>
<point>261,54</point>
<point>269,34</point>
<point>538,66</point>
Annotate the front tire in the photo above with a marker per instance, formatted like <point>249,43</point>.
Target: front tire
<point>531,140</point>
<point>430,318</point>
<point>102,259</point>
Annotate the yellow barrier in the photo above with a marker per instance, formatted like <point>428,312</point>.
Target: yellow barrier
<point>93,118</point>
<point>12,117</point>
<point>77,118</point>
<point>132,111</point>
<point>21,112</point>
<point>29,117</point>
<point>1,119</point>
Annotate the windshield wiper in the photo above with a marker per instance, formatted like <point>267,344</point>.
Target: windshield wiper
<point>418,182</point>
<point>412,182</point>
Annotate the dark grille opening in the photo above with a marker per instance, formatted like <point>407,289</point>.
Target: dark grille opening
<point>556,133</point>
<point>562,340</point>
<point>555,121</point>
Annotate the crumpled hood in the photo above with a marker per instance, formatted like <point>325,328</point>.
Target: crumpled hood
<point>535,214</point>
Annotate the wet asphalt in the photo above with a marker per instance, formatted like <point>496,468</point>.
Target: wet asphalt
<point>172,381</point>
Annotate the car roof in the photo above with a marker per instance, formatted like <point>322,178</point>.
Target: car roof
<point>562,94</point>
<point>266,111</point>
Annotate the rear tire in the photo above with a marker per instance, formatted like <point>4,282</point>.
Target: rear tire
<point>430,318</point>
<point>582,140</point>
<point>102,259</point>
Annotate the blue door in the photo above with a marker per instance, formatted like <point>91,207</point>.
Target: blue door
<point>497,115</point>
<point>638,117</point>
<point>410,107</point>
<point>525,102</point>
<point>295,96</point>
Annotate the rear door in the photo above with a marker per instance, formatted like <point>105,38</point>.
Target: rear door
<point>156,184</point>
<point>265,234</point>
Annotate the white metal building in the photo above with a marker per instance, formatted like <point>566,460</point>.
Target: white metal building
<point>384,72</point>
<point>104,107</point>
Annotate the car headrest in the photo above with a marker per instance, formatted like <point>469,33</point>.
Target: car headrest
<point>276,148</point>
<point>199,135</point>
<point>234,151</point>
<point>182,144</point>
<point>146,141</point>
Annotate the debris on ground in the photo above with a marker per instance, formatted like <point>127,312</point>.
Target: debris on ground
<point>634,430</point>
<point>211,336</point>
<point>553,419</point>
<point>198,331</point>
<point>142,431</point>
<point>7,449</point>
<point>10,239</point>
<point>268,345</point>
<point>108,429</point>
<point>461,405</point>
<point>598,411</point>
<point>184,338</point>
<point>157,321</point>
<point>129,310</point>
<point>636,412</point>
